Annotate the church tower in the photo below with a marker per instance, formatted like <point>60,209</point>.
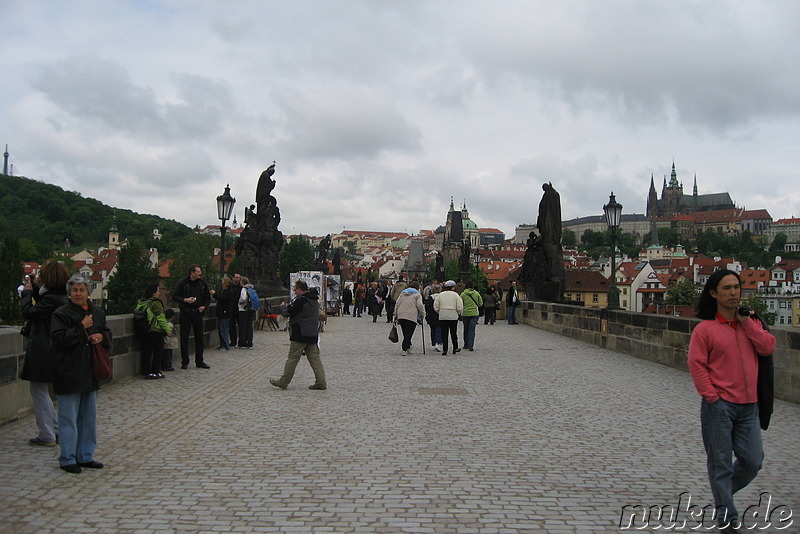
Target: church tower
<point>652,200</point>
<point>673,195</point>
<point>113,235</point>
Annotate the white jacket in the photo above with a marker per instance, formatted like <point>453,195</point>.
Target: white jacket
<point>449,306</point>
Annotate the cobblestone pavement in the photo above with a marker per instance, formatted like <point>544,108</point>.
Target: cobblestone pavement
<point>531,432</point>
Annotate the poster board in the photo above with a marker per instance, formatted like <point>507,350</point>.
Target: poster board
<point>313,279</point>
<point>333,294</point>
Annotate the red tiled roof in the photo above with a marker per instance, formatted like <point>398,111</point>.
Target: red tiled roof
<point>756,214</point>
<point>751,278</point>
<point>787,265</point>
<point>580,281</point>
<point>717,216</point>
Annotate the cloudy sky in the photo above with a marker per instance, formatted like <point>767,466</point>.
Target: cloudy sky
<point>377,112</point>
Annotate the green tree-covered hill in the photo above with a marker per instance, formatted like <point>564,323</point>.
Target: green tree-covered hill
<point>43,216</point>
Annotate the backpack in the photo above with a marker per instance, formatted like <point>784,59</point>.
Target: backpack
<point>141,324</point>
<point>252,299</point>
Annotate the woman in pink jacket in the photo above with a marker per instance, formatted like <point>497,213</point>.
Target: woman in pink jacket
<point>723,362</point>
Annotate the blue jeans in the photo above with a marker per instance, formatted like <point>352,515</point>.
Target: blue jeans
<point>511,312</point>
<point>436,334</point>
<point>223,327</point>
<point>77,427</point>
<point>729,427</point>
<point>469,331</point>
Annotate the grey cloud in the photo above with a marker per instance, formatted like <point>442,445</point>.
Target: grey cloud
<point>344,122</point>
<point>87,87</point>
<point>714,72</point>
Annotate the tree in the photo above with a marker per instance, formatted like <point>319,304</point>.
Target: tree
<point>296,255</point>
<point>779,243</point>
<point>568,238</point>
<point>667,237</point>
<point>11,273</point>
<point>195,249</point>
<point>133,274</point>
<point>682,292</point>
<point>479,278</point>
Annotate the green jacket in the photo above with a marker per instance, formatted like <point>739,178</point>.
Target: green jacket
<point>155,315</point>
<point>472,299</point>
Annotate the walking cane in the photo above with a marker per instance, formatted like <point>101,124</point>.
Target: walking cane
<point>422,330</point>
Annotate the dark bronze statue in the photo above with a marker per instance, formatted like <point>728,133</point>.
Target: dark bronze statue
<point>543,267</point>
<point>439,267</point>
<point>323,248</point>
<point>260,242</point>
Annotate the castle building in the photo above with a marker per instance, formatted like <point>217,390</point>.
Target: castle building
<point>674,202</point>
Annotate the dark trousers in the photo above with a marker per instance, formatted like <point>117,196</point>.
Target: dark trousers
<point>389,310</point>
<point>152,345</point>
<point>233,326</point>
<point>450,327</point>
<point>246,328</point>
<point>193,320</point>
<point>490,316</point>
<point>408,328</point>
<point>346,308</point>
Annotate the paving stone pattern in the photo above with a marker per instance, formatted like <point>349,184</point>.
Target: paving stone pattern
<point>531,432</point>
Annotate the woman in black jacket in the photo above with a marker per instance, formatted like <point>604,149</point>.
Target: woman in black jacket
<point>75,327</point>
<point>48,296</point>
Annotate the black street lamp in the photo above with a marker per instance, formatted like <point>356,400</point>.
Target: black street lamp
<point>613,211</point>
<point>225,204</point>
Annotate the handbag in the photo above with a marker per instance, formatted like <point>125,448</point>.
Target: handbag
<point>481,308</point>
<point>25,331</point>
<point>101,363</point>
<point>393,337</point>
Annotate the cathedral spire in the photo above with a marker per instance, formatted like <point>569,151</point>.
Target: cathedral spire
<point>673,180</point>
<point>452,208</point>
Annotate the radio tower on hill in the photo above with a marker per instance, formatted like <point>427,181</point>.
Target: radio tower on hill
<point>5,161</point>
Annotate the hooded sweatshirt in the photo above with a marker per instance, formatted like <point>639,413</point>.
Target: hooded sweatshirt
<point>409,305</point>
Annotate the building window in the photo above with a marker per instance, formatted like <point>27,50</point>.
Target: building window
<point>595,298</point>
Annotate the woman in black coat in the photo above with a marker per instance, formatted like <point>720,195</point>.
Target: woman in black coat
<point>76,326</point>
<point>38,305</point>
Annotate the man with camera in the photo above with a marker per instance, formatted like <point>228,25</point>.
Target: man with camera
<point>723,361</point>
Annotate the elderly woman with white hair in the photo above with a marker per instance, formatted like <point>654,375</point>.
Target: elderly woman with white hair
<point>75,326</point>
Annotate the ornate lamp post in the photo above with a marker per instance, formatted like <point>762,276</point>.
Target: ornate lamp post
<point>613,211</point>
<point>225,204</point>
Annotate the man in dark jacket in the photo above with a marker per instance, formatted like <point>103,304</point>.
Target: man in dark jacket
<point>304,327</point>
<point>193,295</point>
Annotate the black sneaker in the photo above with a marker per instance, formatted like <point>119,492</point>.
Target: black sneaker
<point>42,443</point>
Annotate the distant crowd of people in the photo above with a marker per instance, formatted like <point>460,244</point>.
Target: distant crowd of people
<point>440,305</point>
